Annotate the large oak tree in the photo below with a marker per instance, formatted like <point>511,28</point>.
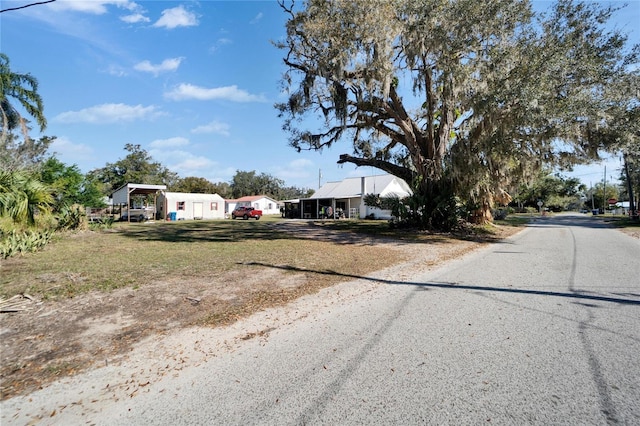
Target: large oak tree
<point>464,99</point>
<point>619,131</point>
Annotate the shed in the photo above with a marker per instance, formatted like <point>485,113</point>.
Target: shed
<point>346,197</point>
<point>188,206</point>
<point>122,196</point>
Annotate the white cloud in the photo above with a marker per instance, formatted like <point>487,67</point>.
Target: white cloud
<point>134,18</point>
<point>63,17</point>
<point>171,64</point>
<point>186,164</point>
<point>219,43</point>
<point>231,93</point>
<point>116,71</point>
<point>257,18</point>
<point>96,7</point>
<point>301,163</point>
<point>170,142</point>
<point>176,17</point>
<point>213,127</point>
<point>193,163</point>
<point>109,113</point>
<point>183,162</point>
<point>296,169</point>
<point>69,151</point>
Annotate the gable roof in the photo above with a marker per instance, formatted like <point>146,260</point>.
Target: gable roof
<point>251,198</point>
<point>384,185</point>
<point>191,196</point>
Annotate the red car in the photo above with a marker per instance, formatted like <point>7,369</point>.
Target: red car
<point>246,213</point>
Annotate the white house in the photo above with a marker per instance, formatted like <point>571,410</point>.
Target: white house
<point>261,202</point>
<point>185,206</point>
<point>346,197</point>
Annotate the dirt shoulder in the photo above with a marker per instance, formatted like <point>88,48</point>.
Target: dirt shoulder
<point>51,340</point>
<point>632,232</point>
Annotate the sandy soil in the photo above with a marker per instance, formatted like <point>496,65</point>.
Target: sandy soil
<point>151,328</point>
<point>124,341</point>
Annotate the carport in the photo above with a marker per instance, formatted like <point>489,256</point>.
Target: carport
<point>122,196</point>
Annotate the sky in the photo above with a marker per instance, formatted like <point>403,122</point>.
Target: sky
<point>194,83</point>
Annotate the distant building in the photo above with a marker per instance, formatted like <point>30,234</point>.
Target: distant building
<point>260,202</point>
<point>187,206</point>
<point>346,198</point>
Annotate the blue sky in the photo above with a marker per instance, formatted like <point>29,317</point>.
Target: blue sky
<point>192,82</point>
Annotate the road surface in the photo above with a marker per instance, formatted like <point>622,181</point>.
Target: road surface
<point>543,328</point>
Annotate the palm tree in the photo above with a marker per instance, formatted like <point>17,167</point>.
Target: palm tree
<point>22,195</point>
<point>24,89</point>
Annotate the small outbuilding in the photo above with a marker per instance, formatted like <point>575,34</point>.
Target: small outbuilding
<point>135,197</point>
<point>187,206</point>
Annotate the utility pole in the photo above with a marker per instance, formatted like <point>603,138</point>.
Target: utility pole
<point>319,177</point>
<point>632,204</point>
<point>604,191</point>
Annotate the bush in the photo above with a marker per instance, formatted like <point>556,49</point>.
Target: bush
<point>500,214</point>
<point>105,222</point>
<point>73,217</point>
<point>20,242</point>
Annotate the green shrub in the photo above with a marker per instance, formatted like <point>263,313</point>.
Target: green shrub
<point>105,222</point>
<point>20,242</point>
<point>500,214</point>
<point>73,217</point>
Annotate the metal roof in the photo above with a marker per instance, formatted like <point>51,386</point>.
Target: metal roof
<point>251,198</point>
<point>191,196</point>
<point>383,185</point>
<point>122,194</point>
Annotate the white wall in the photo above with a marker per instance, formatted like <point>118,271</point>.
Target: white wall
<point>190,206</point>
<point>267,205</point>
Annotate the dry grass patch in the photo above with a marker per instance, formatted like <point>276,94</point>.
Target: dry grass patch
<point>99,293</point>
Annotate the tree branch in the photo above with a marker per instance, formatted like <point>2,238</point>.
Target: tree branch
<point>398,171</point>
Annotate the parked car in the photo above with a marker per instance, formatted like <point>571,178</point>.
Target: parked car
<point>246,213</point>
<point>138,215</point>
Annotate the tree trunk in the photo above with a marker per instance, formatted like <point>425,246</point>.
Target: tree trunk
<point>482,215</point>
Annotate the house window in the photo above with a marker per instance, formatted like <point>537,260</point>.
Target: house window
<point>180,205</point>
<point>214,205</point>
<point>270,206</point>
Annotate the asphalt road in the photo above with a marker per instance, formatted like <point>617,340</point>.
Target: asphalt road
<point>543,328</point>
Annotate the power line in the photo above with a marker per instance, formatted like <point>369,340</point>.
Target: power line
<point>26,5</point>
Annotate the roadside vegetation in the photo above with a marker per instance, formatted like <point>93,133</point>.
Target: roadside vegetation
<point>134,254</point>
<point>89,296</point>
<point>620,221</point>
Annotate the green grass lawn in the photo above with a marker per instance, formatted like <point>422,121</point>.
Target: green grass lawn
<point>138,253</point>
<point>134,254</point>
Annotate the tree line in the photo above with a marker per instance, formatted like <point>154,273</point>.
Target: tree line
<point>469,102</point>
<point>27,165</point>
<point>139,167</point>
